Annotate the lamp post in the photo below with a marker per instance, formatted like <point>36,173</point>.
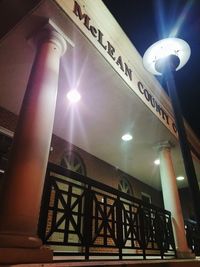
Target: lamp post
<point>164,58</point>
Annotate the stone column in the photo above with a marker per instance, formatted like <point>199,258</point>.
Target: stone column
<point>20,204</point>
<point>171,199</point>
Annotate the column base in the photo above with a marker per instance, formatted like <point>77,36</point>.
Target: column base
<point>23,255</point>
<point>11,240</point>
<point>185,254</point>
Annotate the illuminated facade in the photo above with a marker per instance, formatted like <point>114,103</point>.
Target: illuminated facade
<point>63,45</point>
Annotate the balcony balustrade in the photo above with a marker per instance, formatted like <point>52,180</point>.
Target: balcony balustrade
<point>84,218</point>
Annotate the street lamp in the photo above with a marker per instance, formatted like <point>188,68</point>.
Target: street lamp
<point>164,58</point>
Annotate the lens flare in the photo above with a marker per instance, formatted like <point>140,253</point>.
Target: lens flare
<point>73,96</point>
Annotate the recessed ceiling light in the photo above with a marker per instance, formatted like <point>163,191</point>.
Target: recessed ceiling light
<point>73,96</point>
<point>127,137</point>
<point>157,162</point>
<point>180,178</point>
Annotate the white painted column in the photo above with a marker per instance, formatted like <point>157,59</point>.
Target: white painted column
<point>20,204</point>
<point>171,199</point>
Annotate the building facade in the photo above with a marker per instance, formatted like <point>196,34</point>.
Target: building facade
<point>62,45</point>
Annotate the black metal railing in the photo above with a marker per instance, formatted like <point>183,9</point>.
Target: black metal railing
<point>193,236</point>
<point>80,216</point>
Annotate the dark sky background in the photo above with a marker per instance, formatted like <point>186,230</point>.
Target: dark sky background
<point>147,21</point>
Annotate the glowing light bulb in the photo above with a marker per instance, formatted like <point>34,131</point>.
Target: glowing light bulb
<point>180,178</point>
<point>127,137</point>
<point>73,96</point>
<point>157,162</point>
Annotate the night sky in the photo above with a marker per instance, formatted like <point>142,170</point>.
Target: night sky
<point>147,21</point>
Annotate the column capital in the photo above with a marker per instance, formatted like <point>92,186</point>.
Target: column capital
<point>164,145</point>
<point>52,33</point>
<point>52,36</point>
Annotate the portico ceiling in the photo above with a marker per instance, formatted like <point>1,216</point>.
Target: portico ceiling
<point>108,107</point>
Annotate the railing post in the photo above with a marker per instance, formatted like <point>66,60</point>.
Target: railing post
<point>142,230</point>
<point>119,224</point>
<point>160,233</point>
<point>88,214</point>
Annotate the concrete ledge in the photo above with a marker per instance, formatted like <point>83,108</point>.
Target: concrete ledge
<point>136,263</point>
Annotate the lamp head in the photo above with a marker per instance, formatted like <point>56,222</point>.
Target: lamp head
<point>165,63</point>
<point>173,50</point>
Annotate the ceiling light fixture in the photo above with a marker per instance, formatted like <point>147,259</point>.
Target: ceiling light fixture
<point>127,137</point>
<point>157,162</point>
<point>73,96</point>
<point>180,178</point>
